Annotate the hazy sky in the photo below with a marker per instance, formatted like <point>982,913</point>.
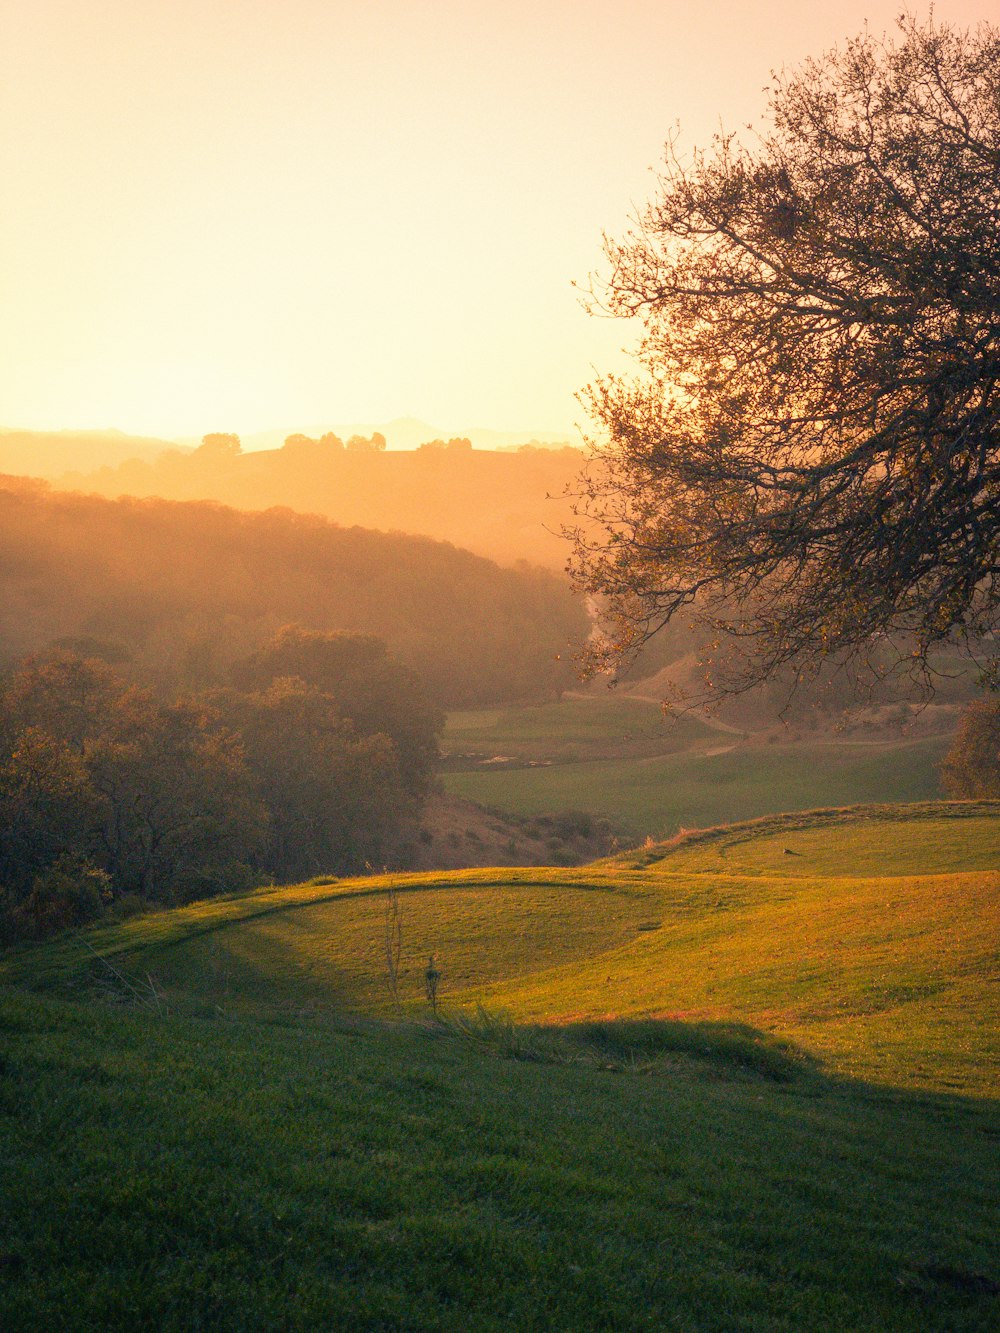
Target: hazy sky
<point>246,214</point>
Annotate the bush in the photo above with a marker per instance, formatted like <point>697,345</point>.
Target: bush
<point>971,769</point>
<point>236,877</point>
<point>71,892</point>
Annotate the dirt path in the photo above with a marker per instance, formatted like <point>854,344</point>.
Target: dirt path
<point>700,716</point>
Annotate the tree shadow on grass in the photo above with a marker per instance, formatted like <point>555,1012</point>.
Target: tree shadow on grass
<point>643,1045</point>
<point>736,1045</point>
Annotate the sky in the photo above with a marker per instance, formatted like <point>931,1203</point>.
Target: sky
<point>248,215</point>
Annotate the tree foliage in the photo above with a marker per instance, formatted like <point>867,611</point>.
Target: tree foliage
<point>810,460</point>
<point>320,763</point>
<point>179,809</point>
<point>971,770</point>
<point>47,807</point>
<point>364,686</point>
<point>337,800</point>
<point>219,445</point>
<point>186,589</point>
<point>64,694</point>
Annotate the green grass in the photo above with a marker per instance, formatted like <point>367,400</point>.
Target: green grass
<point>872,947</point>
<point>620,757</point>
<point>880,840</point>
<point>746,1079</point>
<point>177,1174</point>
<point>573,730</point>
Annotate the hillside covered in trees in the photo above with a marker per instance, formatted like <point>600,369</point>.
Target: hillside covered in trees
<point>508,506</point>
<point>179,592</point>
<point>316,759</point>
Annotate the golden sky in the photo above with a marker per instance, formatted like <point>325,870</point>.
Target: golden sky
<point>254,214</point>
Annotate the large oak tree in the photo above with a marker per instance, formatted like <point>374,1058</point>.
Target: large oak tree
<point>809,461</point>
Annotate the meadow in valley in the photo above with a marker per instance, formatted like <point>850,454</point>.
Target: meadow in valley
<point>620,756</point>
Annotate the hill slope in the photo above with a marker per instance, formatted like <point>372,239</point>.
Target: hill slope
<point>869,940</point>
<point>237,1143</point>
<point>51,454</point>
<point>496,504</point>
<point>187,589</point>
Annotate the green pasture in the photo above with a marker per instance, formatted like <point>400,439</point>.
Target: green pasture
<point>865,937</point>
<point>879,841</point>
<point>575,730</point>
<point>178,1174</point>
<point>748,1078</point>
<point>713,783</point>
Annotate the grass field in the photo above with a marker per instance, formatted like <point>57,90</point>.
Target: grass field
<point>575,730</point>
<point>745,1079</point>
<point>621,759</point>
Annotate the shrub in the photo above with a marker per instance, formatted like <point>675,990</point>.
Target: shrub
<point>971,769</point>
<point>71,892</point>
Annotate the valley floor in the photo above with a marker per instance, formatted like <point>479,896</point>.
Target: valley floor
<point>620,758</point>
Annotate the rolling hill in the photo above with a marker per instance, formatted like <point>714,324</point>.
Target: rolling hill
<point>745,1078</point>
<point>867,937</point>
<point>51,454</point>
<point>185,590</point>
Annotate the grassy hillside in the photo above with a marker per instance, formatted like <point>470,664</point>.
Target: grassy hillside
<point>177,1174</point>
<point>572,731</point>
<point>619,758</point>
<point>753,1084</point>
<point>869,942</point>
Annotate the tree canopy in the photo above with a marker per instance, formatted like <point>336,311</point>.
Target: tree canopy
<point>317,760</point>
<point>971,770</point>
<point>809,460</point>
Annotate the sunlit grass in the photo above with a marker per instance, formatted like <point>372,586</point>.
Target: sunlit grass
<point>332,955</point>
<point>722,927</point>
<point>575,730</point>
<point>945,837</point>
<point>715,1085</point>
<point>829,964</point>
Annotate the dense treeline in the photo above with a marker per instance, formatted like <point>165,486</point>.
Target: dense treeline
<point>508,506</point>
<point>316,759</point>
<point>184,590</point>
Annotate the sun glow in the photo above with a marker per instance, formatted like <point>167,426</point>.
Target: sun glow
<point>244,216</point>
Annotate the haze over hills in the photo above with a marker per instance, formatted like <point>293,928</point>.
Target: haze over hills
<point>188,589</point>
<point>489,492</point>
<point>51,454</point>
<point>492,502</point>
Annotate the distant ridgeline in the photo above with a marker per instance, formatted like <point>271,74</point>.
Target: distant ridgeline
<point>507,505</point>
<point>51,454</point>
<point>180,592</point>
